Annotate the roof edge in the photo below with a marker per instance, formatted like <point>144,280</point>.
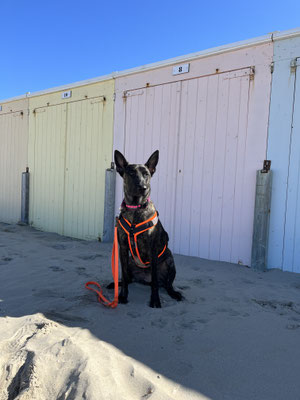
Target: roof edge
<point>270,37</point>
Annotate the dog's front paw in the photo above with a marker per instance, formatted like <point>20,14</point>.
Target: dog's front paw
<point>155,302</point>
<point>178,296</point>
<point>123,299</point>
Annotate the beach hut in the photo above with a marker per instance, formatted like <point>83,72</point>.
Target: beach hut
<point>284,152</point>
<point>70,148</point>
<point>207,113</point>
<point>13,156</point>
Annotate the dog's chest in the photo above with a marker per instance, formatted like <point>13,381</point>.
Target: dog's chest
<point>136,234</point>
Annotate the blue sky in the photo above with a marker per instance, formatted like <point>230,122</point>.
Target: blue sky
<point>47,44</point>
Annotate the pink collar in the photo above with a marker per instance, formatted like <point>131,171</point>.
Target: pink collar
<point>138,206</point>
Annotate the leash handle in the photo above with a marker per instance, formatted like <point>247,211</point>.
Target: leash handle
<point>115,274</point>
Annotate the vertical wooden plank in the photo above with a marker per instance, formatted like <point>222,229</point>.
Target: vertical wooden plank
<point>198,164</point>
<point>167,167</point>
<point>120,130</point>
<point>208,165</point>
<point>240,193</point>
<point>218,171</point>
<point>181,160</point>
<point>230,169</point>
<point>171,172</point>
<point>149,116</point>
<point>160,135</point>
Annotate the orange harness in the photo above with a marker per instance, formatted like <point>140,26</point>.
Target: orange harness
<point>133,231</point>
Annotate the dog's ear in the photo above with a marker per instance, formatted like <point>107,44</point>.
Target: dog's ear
<point>120,162</point>
<point>152,162</point>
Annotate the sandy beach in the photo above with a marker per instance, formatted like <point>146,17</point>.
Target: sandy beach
<point>236,336</point>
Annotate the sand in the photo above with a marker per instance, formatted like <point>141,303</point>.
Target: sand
<point>236,336</point>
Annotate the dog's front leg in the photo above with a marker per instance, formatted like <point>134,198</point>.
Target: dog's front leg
<point>154,300</point>
<point>125,275</point>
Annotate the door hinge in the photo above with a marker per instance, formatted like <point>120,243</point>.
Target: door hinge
<point>252,73</point>
<point>272,67</point>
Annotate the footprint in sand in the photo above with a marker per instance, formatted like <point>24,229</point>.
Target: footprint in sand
<point>56,269</point>
<point>178,339</point>
<point>90,257</point>
<point>81,271</point>
<point>5,260</point>
<point>203,282</point>
<point>293,326</point>
<point>230,311</point>
<point>296,285</point>
<point>133,314</point>
<point>59,247</point>
<point>159,323</point>
<point>275,304</point>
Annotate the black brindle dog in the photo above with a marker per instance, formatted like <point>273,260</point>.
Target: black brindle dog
<point>144,253</point>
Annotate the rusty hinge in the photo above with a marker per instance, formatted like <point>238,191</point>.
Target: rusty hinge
<point>100,99</point>
<point>266,166</point>
<point>252,73</point>
<point>272,67</point>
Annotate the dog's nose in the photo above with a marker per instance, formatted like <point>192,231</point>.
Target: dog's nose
<point>143,187</point>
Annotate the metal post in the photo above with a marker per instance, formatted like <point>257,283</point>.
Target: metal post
<point>261,219</point>
<point>109,204</point>
<point>25,197</point>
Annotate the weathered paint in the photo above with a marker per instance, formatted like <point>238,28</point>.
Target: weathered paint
<point>70,147</point>
<point>13,157</point>
<point>210,126</point>
<point>283,150</point>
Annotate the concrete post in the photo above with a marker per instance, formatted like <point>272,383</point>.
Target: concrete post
<point>25,197</point>
<point>261,220</point>
<point>109,205</point>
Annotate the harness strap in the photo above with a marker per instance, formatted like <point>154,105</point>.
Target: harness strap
<point>115,273</point>
<point>133,231</point>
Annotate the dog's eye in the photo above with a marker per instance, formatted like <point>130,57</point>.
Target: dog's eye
<point>145,174</point>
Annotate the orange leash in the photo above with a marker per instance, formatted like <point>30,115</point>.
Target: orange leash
<point>115,273</point>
